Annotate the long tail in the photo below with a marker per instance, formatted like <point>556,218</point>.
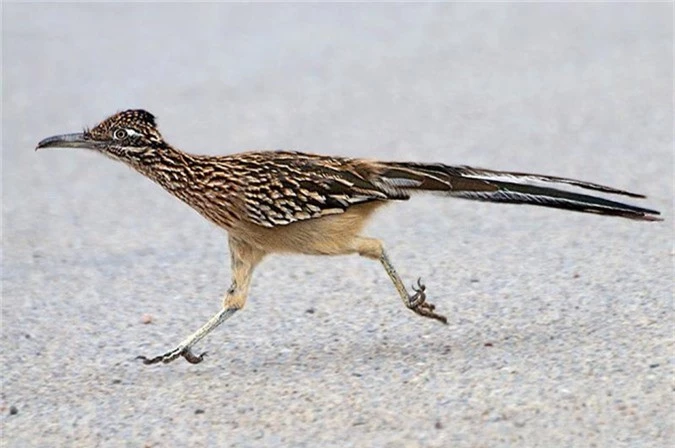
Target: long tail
<point>509,187</point>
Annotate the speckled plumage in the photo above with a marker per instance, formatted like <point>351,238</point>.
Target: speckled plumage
<point>282,201</point>
<point>277,188</point>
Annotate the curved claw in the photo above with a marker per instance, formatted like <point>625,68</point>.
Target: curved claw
<point>420,287</point>
<point>418,303</point>
<point>191,357</point>
<point>419,297</point>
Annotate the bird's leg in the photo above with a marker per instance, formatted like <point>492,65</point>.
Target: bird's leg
<point>244,258</point>
<point>184,349</point>
<point>372,248</point>
<point>416,302</point>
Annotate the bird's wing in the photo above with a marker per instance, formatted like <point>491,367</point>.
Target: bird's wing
<point>290,187</point>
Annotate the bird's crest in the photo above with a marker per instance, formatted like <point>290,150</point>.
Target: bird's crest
<point>133,127</point>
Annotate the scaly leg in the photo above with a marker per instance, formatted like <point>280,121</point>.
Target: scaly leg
<point>244,259</point>
<point>372,248</point>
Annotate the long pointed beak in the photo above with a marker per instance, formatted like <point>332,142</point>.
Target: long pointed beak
<point>77,140</point>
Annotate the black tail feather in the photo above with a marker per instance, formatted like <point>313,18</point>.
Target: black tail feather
<point>482,173</point>
<point>513,193</point>
<point>502,186</point>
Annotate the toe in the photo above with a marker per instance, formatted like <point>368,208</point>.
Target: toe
<point>191,357</point>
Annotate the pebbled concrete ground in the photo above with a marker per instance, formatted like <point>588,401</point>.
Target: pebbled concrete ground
<point>561,324</point>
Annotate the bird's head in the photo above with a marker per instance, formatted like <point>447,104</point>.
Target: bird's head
<point>130,136</point>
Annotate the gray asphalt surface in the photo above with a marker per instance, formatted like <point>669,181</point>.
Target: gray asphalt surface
<point>561,324</point>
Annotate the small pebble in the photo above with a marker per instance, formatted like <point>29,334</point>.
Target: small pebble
<point>309,311</point>
<point>438,425</point>
<point>199,411</point>
<point>13,410</point>
<point>146,318</point>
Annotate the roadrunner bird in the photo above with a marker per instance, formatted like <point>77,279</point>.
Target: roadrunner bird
<point>280,201</point>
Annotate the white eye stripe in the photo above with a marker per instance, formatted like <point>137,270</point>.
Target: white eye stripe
<point>121,134</point>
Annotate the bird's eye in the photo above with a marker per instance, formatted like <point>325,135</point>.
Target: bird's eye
<point>120,134</point>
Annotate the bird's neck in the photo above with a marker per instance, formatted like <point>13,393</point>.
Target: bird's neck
<point>191,179</point>
<point>170,167</point>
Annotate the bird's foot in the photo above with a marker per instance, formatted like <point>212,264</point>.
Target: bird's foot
<point>418,303</point>
<point>172,355</point>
